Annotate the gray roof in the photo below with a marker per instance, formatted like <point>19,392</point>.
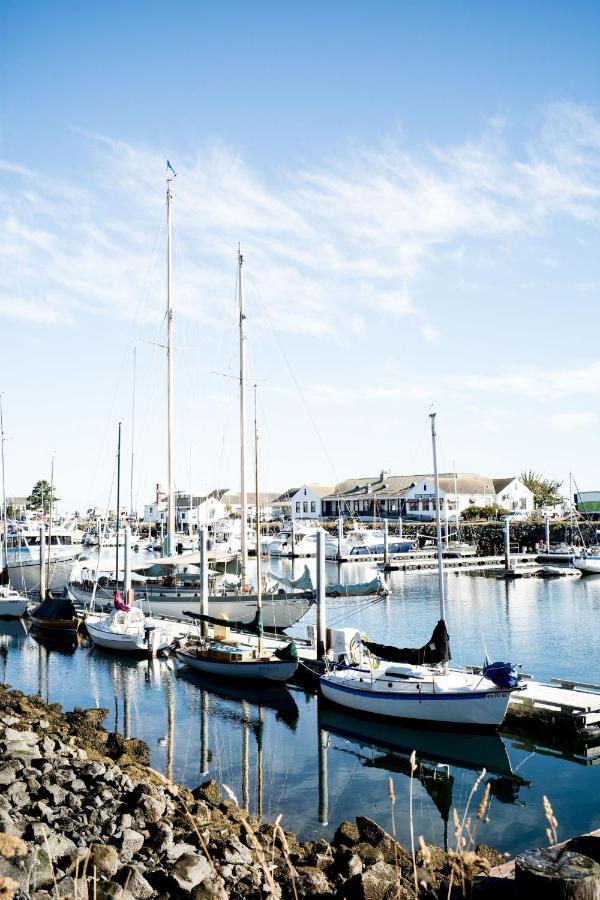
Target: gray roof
<point>286,496</point>
<point>501,483</point>
<point>396,485</point>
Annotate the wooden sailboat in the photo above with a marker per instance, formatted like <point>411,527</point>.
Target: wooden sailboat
<point>237,658</point>
<point>12,604</point>
<point>418,684</point>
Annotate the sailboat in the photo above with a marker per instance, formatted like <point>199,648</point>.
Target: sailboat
<point>418,684</point>
<point>12,604</point>
<point>237,658</point>
<point>126,628</point>
<point>170,584</point>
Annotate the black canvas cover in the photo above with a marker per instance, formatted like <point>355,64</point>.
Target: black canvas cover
<point>253,627</point>
<point>4,579</point>
<point>436,650</point>
<point>55,609</point>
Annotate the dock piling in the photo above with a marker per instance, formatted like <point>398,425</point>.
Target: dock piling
<point>386,555</point>
<point>42,563</point>
<point>321,616</point>
<point>203,578</point>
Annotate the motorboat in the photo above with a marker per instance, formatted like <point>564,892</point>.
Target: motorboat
<point>587,564</point>
<point>297,540</point>
<point>12,604</point>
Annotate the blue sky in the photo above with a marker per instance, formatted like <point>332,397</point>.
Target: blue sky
<point>416,189</point>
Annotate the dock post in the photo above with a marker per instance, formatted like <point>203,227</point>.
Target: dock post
<point>293,530</point>
<point>204,733</point>
<point>547,530</point>
<point>42,563</point>
<point>321,621</point>
<point>323,787</point>
<point>127,566</point>
<point>507,565</point>
<point>203,578</point>
<point>340,536</point>
<point>399,528</point>
<point>446,530</point>
<point>386,557</point>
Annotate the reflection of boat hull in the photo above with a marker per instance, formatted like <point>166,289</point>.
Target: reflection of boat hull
<point>468,751</point>
<point>279,610</point>
<point>250,670</point>
<point>270,696</point>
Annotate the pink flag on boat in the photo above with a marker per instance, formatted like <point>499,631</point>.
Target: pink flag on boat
<point>118,601</point>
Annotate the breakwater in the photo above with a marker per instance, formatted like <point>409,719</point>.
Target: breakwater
<point>83,815</point>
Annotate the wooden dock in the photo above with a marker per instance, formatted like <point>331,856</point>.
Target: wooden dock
<point>524,563</point>
<point>569,707</point>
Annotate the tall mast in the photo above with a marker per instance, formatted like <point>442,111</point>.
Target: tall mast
<point>4,508</point>
<point>118,508</point>
<point>438,524</point>
<point>170,461</point>
<point>132,437</point>
<point>244,512</point>
<point>50,521</point>
<point>258,560</point>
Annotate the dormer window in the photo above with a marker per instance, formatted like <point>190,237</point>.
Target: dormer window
<point>424,487</point>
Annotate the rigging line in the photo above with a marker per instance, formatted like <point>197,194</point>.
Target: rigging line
<point>293,377</point>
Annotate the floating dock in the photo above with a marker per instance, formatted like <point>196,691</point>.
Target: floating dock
<point>524,562</point>
<point>569,707</point>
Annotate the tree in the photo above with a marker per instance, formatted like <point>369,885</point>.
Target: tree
<point>40,495</point>
<point>544,490</point>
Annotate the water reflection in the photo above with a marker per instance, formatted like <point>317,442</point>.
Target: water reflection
<point>282,752</point>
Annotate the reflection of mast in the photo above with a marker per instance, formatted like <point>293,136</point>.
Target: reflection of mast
<point>204,733</point>
<point>170,726</point>
<point>323,790</point>
<point>126,705</point>
<point>259,781</point>
<point>245,724</point>
<point>42,673</point>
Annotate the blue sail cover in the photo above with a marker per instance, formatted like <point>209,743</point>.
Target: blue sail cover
<point>502,674</point>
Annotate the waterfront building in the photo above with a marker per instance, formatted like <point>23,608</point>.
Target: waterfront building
<point>305,502</point>
<point>191,510</point>
<point>413,496</point>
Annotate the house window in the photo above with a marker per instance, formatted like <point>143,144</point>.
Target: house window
<point>297,506</point>
<point>313,506</point>
<point>522,503</point>
<point>305,506</point>
<point>413,505</point>
<point>452,504</point>
<point>424,487</point>
<point>425,505</point>
<point>356,506</point>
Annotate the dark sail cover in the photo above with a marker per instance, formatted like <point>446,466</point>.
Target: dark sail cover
<point>55,609</point>
<point>253,627</point>
<point>436,650</point>
<point>4,579</point>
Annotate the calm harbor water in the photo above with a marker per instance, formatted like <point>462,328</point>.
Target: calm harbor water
<point>280,750</point>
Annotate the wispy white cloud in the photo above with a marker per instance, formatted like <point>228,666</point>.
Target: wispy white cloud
<point>329,247</point>
<point>568,420</point>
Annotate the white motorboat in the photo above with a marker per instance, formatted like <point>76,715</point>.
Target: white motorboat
<point>23,555</point>
<point>416,683</point>
<point>297,540</point>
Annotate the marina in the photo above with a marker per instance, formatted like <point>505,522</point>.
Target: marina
<point>162,701</point>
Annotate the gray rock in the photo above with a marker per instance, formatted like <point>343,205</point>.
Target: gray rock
<point>190,870</point>
<point>78,785</point>
<point>369,831</point>
<point>24,737</point>
<point>7,773</point>
<point>236,853</point>
<point>108,890</point>
<point>55,793</point>
<point>174,851</point>
<point>134,883</point>
<point>131,842</point>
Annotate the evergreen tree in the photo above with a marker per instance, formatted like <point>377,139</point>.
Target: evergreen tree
<point>39,498</point>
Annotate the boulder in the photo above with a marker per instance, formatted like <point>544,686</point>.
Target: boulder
<point>190,870</point>
<point>105,859</point>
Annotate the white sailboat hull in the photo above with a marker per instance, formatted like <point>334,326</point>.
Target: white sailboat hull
<point>466,707</point>
<point>589,565</point>
<point>255,670</point>
<point>278,612</point>
<point>12,607</point>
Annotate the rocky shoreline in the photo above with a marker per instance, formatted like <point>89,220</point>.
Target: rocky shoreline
<point>83,815</point>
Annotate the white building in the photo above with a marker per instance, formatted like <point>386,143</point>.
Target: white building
<point>413,496</point>
<point>191,512</point>
<point>306,502</point>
